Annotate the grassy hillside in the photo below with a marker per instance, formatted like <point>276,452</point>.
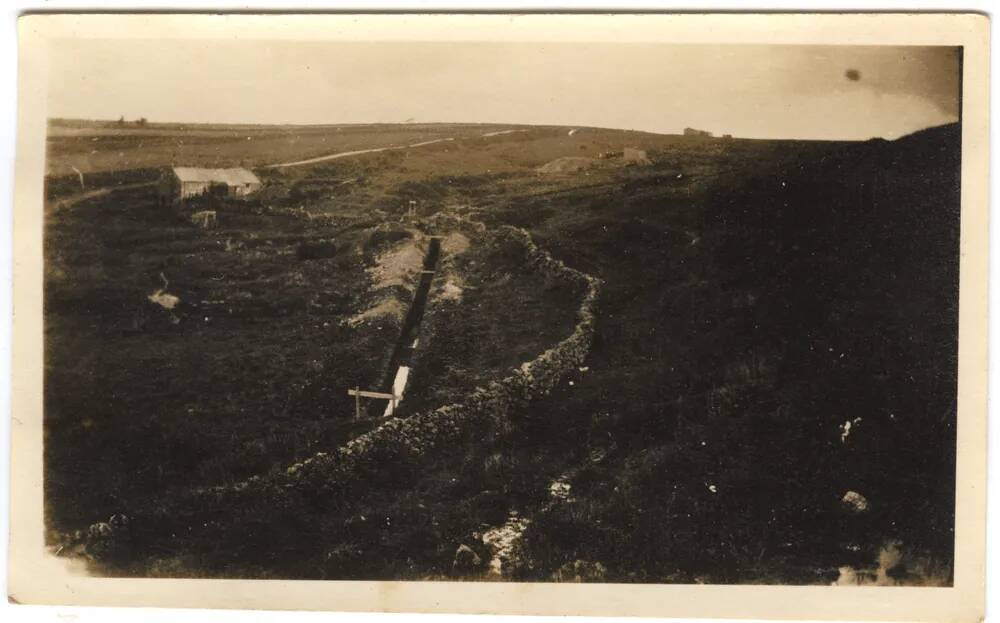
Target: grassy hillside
<point>141,398</point>
<point>757,297</point>
<point>819,291</point>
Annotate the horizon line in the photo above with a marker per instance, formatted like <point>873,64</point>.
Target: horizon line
<point>131,124</point>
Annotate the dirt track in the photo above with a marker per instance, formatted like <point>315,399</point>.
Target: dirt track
<point>356,152</point>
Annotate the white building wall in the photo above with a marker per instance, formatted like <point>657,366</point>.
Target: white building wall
<point>191,189</point>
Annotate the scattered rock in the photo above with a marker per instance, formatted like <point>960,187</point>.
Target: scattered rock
<point>450,292</point>
<point>100,529</point>
<point>580,571</point>
<point>845,428</point>
<point>895,567</point>
<point>164,300</point>
<point>560,490</point>
<point>505,546</point>
<point>161,298</point>
<point>854,502</point>
<point>466,560</point>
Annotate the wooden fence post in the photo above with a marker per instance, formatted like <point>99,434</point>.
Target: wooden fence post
<point>358,394</point>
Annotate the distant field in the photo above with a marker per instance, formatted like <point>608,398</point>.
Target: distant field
<point>93,147</point>
<point>99,147</point>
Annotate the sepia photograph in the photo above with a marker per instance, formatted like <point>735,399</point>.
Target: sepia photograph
<point>470,309</point>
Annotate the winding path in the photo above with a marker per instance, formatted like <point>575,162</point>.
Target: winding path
<point>373,150</point>
<point>356,152</point>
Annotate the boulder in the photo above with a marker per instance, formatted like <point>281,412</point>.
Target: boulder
<point>854,502</point>
<point>466,560</point>
<point>98,530</point>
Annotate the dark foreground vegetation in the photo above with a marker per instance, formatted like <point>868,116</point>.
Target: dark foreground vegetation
<point>777,328</point>
<point>237,376</point>
<point>819,292</point>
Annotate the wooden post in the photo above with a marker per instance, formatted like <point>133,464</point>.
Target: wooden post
<point>359,393</point>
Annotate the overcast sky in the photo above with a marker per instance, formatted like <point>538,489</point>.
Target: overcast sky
<point>751,91</point>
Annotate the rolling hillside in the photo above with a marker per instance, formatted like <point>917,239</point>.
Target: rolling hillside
<point>776,329</point>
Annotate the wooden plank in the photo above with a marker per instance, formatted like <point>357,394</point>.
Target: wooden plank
<point>366,394</point>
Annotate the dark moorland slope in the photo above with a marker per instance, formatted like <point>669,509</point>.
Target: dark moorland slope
<point>757,297</point>
<point>820,291</point>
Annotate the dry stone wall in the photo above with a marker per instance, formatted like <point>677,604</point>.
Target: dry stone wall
<point>401,440</point>
<point>410,438</point>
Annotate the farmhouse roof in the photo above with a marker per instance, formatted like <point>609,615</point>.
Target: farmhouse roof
<point>230,177</point>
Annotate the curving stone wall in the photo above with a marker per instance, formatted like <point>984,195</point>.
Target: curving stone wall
<point>402,440</point>
<point>410,438</point>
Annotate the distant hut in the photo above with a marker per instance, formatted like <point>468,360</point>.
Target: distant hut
<point>694,132</point>
<point>179,183</point>
<point>631,155</point>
